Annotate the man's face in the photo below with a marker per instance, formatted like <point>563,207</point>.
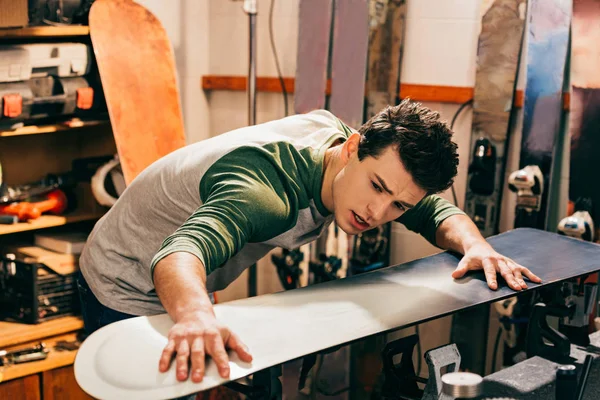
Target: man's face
<point>373,191</point>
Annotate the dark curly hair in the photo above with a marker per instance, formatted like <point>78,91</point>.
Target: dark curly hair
<point>423,142</point>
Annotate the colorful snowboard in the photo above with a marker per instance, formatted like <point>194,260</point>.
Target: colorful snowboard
<point>303,267</point>
<point>585,105</point>
<point>312,63</point>
<point>387,21</point>
<point>314,32</point>
<point>548,34</point>
<point>498,54</point>
<point>349,47</point>
<point>349,60</point>
<point>140,88</point>
<point>547,48</point>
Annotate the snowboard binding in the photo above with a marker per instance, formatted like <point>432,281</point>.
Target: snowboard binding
<point>528,183</point>
<point>483,168</point>
<point>579,225</point>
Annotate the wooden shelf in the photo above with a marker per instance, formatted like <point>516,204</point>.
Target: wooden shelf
<point>446,94</point>
<point>14,333</point>
<point>48,221</point>
<point>263,84</point>
<point>435,93</point>
<point>64,126</point>
<point>431,93</point>
<point>45,31</point>
<point>55,359</point>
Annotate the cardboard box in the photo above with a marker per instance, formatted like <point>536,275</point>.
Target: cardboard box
<point>13,13</point>
<point>65,242</point>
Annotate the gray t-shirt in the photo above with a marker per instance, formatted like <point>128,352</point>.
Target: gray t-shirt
<point>228,200</point>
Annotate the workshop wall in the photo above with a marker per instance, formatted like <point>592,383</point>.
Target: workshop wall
<point>440,49</point>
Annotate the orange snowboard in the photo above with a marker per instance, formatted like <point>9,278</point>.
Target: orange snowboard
<point>137,68</point>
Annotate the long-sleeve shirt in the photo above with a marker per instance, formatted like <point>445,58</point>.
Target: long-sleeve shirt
<point>228,200</point>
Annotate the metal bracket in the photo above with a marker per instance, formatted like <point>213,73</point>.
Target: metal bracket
<point>265,385</point>
<point>560,348</point>
<point>438,358</point>
<point>583,296</point>
<point>401,379</point>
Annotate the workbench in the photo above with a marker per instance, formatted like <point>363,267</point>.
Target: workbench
<point>51,378</point>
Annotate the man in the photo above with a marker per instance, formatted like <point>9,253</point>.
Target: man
<point>191,222</point>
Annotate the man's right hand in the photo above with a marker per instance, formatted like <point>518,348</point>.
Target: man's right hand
<point>192,338</point>
<point>180,280</point>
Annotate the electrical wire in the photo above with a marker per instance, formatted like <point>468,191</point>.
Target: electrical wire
<point>456,114</point>
<point>275,57</point>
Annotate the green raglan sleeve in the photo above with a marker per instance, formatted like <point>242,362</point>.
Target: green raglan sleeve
<point>427,215</point>
<point>244,200</point>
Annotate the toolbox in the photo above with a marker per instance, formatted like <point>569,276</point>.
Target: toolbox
<point>21,62</point>
<point>45,97</point>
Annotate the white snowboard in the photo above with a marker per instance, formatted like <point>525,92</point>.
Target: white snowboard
<point>120,361</point>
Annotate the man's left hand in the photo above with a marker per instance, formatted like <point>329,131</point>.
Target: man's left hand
<point>483,256</point>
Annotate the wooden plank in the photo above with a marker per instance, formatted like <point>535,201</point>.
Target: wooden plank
<point>425,93</point>
<point>434,93</point>
<point>518,99</point>
<point>47,221</point>
<point>27,388</point>
<point>13,333</point>
<point>444,94</point>
<point>448,94</point>
<point>64,126</point>
<point>238,83</point>
<point>45,31</point>
<point>55,359</point>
